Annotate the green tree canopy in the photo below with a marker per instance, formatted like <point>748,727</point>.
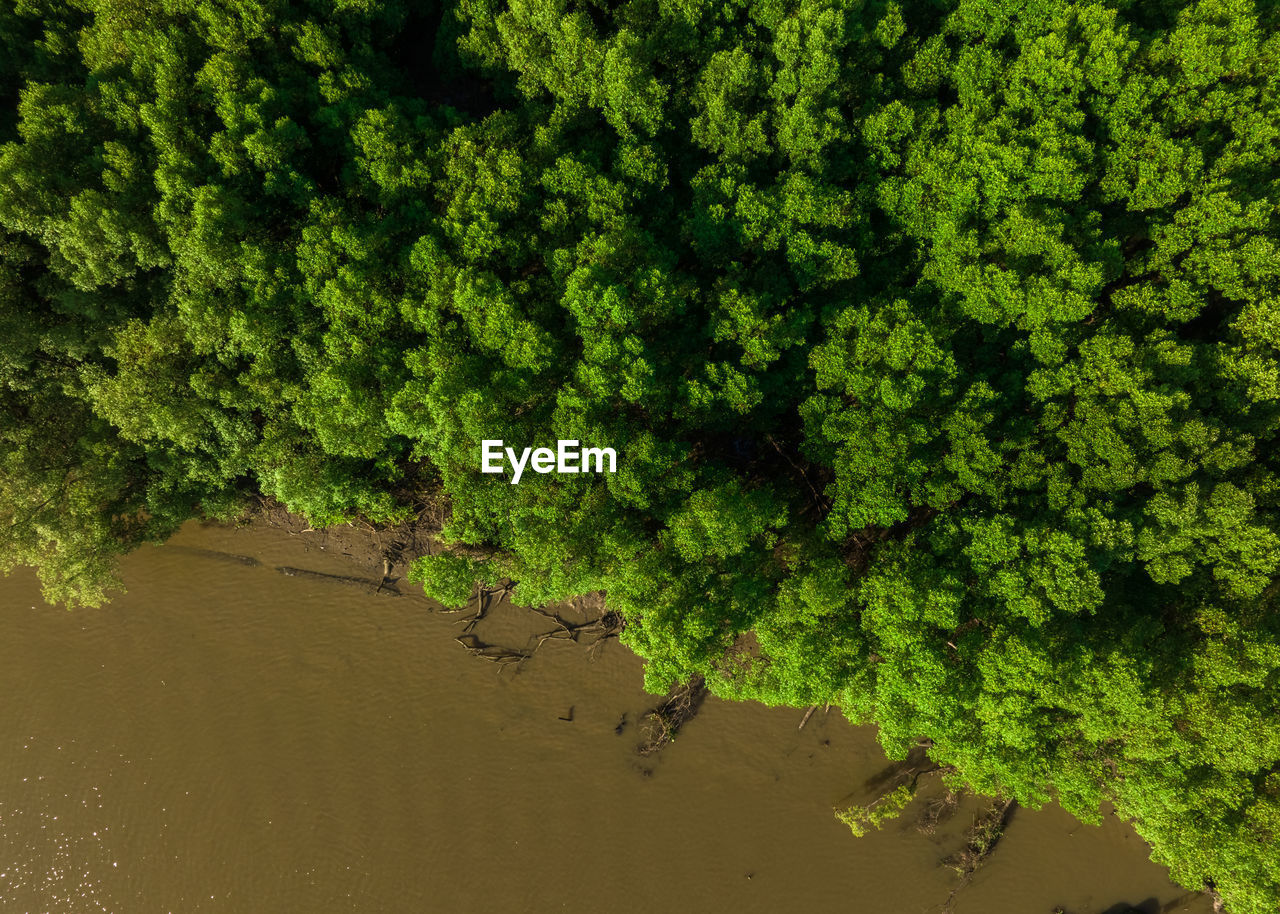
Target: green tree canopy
<point>939,343</point>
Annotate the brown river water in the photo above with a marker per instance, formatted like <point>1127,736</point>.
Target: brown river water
<point>227,738</point>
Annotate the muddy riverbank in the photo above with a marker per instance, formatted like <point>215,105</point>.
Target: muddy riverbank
<point>267,722</point>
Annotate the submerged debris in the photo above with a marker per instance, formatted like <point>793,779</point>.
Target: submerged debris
<point>937,811</point>
<point>980,840</point>
<point>893,788</point>
<point>677,708</point>
<point>592,632</point>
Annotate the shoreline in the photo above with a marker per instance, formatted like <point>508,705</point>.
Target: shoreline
<point>389,549</point>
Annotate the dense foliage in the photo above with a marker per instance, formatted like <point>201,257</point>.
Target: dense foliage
<point>939,343</point>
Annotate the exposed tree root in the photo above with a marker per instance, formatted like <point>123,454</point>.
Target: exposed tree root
<point>592,632</point>
<point>385,547</point>
<point>494,653</point>
<point>486,599</point>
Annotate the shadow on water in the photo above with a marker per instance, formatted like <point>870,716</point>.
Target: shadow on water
<point>1150,906</point>
<point>377,587</point>
<point>906,771</point>
<point>214,555</point>
<point>385,586</point>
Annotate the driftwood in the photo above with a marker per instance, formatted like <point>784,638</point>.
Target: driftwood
<point>374,587</point>
<point>677,708</point>
<point>937,811</point>
<point>980,840</point>
<point>826,709</point>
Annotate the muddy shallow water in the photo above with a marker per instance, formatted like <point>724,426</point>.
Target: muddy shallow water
<point>228,738</point>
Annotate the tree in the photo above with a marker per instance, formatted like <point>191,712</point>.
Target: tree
<point>937,342</point>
